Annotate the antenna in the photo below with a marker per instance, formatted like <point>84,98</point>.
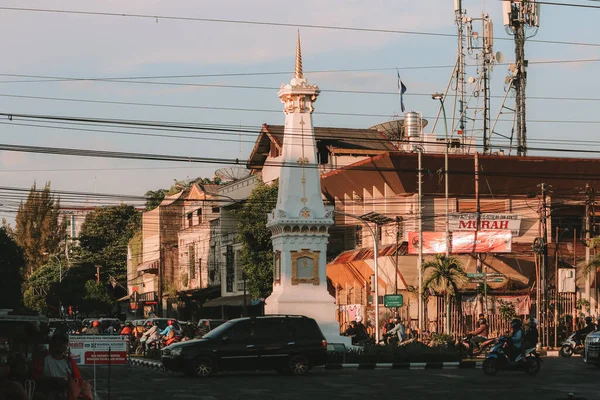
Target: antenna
<point>521,20</point>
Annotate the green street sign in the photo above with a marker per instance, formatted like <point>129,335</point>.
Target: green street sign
<point>393,300</point>
<point>495,279</point>
<point>475,275</point>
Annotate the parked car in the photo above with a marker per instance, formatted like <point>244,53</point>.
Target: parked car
<point>591,352</point>
<point>286,343</point>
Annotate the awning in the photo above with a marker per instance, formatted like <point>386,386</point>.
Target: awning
<point>148,265</point>
<point>199,293</point>
<point>231,301</point>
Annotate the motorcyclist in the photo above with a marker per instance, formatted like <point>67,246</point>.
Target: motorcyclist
<point>583,332</point>
<point>361,330</point>
<point>480,334</point>
<point>515,341</point>
<point>532,335</point>
<point>398,330</point>
<point>95,329</point>
<point>388,326</point>
<point>351,331</point>
<point>150,336</point>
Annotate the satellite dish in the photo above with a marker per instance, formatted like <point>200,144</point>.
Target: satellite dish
<point>471,80</point>
<point>499,57</point>
<point>231,174</point>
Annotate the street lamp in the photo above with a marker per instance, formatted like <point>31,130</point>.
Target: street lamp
<point>378,220</point>
<point>440,97</point>
<point>59,264</point>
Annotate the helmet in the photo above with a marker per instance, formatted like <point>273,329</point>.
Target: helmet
<point>96,323</point>
<point>516,323</point>
<point>588,320</point>
<point>396,320</point>
<point>170,322</point>
<point>358,318</point>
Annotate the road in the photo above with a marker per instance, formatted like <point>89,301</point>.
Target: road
<point>556,380</point>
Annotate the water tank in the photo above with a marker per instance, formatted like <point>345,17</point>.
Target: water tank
<point>413,125</point>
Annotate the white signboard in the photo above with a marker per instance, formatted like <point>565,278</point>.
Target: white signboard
<point>488,222</point>
<point>98,349</point>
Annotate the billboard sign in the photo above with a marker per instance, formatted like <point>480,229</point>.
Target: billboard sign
<point>460,222</point>
<point>462,242</point>
<point>97,349</point>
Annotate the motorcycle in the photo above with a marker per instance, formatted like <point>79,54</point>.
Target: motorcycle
<point>474,350</point>
<point>570,347</point>
<point>497,359</point>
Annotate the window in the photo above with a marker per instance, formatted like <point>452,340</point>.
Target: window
<point>216,210</point>
<point>277,266</point>
<point>192,261</point>
<point>270,330</point>
<point>190,219</point>
<point>199,214</point>
<point>243,331</point>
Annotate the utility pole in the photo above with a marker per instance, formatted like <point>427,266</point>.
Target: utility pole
<point>420,259</point>
<point>159,290</point>
<point>478,267</point>
<point>519,16</point>
<point>589,204</point>
<point>397,250</point>
<point>544,262</point>
<point>556,288</point>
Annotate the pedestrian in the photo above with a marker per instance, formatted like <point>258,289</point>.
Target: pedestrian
<point>95,329</point>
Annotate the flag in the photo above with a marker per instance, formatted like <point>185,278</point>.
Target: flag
<point>401,90</point>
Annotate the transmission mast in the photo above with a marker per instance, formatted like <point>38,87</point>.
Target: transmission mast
<point>460,18</point>
<point>485,61</point>
<point>522,20</point>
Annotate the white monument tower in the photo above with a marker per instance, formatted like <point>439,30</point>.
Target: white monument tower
<point>300,221</point>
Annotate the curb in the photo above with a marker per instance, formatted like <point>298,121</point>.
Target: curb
<point>411,366</point>
<point>144,362</point>
<point>407,365</point>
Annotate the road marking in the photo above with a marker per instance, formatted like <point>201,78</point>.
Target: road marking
<point>451,376</point>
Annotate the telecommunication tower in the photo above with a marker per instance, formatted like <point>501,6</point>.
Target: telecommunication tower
<point>521,20</point>
<point>460,18</point>
<point>485,63</point>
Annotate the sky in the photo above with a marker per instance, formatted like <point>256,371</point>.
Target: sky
<point>158,51</point>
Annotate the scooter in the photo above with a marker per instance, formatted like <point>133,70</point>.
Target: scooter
<point>498,360</point>
<point>474,350</point>
<point>570,347</point>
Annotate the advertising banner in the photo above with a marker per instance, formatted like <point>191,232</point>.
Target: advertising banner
<point>488,222</point>
<point>95,349</point>
<point>462,242</point>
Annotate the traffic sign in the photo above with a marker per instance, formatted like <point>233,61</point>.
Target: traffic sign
<point>393,300</point>
<point>475,275</point>
<point>498,279</point>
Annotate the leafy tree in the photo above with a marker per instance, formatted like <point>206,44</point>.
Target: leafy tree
<point>445,277</point>
<point>154,198</point>
<point>40,289</point>
<point>97,299</point>
<point>11,271</point>
<point>38,230</point>
<point>104,236</point>
<point>257,250</point>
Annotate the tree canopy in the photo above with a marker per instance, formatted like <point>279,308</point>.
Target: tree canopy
<point>11,272</point>
<point>257,250</point>
<point>104,236</point>
<point>38,230</point>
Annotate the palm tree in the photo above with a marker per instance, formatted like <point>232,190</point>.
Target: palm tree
<point>445,277</point>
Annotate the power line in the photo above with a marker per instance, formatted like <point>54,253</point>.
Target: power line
<point>270,23</point>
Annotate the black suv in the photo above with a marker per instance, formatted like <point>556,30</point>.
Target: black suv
<point>286,343</point>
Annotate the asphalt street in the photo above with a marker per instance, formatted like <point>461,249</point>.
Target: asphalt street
<point>556,380</point>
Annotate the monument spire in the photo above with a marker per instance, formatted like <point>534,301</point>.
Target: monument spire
<point>298,71</point>
<point>300,221</point>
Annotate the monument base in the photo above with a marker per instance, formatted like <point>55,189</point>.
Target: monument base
<point>313,305</point>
